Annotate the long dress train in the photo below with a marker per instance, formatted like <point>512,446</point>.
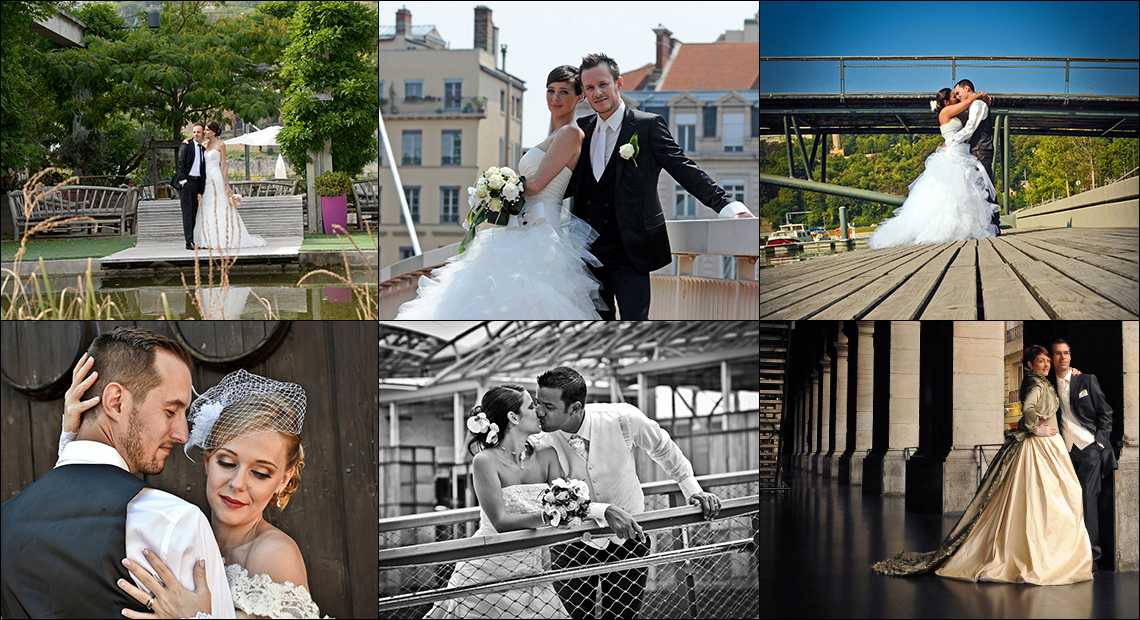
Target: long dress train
<point>218,224</point>
<point>1026,522</point>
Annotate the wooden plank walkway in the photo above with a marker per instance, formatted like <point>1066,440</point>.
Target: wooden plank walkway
<point>1042,273</point>
<point>277,218</point>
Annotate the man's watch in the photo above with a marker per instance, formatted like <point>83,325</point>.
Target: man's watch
<point>1099,445</point>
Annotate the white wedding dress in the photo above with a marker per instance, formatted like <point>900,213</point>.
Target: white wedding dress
<point>255,596</point>
<point>534,268</point>
<point>949,201</point>
<point>218,225</point>
<point>539,601</point>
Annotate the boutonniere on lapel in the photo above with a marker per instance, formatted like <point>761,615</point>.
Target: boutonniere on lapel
<point>630,150</point>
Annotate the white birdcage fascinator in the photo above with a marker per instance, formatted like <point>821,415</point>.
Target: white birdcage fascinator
<point>243,404</point>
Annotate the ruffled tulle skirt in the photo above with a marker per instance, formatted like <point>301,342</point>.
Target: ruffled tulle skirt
<point>535,271</point>
<point>949,201</point>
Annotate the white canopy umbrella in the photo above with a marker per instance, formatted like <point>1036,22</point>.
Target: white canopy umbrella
<point>280,172</point>
<point>264,137</point>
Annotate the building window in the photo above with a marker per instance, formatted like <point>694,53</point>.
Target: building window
<point>684,205</point>
<point>452,147</point>
<point>728,267</point>
<point>733,133</point>
<point>502,152</point>
<point>381,89</point>
<point>406,252</point>
<point>413,147</point>
<point>502,100</point>
<point>449,205</point>
<point>687,131</point>
<point>709,114</point>
<point>413,90</point>
<point>516,107</point>
<point>734,188</point>
<point>756,121</point>
<point>412,194</point>
<point>452,94</point>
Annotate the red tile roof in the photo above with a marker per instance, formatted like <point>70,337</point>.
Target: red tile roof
<point>635,80</point>
<point>713,66</point>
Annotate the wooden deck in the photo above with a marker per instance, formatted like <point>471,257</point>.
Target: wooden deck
<point>1043,273</point>
<point>160,242</point>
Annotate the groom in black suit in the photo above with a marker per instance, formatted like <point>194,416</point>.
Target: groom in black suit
<point>190,180</point>
<point>982,141</point>
<point>615,189</point>
<point>1086,423</point>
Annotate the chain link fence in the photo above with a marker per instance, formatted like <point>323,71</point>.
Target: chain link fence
<point>706,569</point>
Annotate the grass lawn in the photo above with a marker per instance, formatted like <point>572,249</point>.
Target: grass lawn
<point>333,243</point>
<point>54,249</point>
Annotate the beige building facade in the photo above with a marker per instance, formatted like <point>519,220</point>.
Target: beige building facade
<point>449,114</point>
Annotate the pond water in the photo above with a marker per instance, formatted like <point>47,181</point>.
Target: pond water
<point>320,297</point>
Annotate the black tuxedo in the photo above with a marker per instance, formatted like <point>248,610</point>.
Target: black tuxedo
<point>1093,413</point>
<point>624,209</point>
<point>62,541</point>
<point>190,191</point>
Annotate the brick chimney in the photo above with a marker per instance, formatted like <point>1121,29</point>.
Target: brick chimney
<point>404,22</point>
<point>484,30</point>
<point>664,45</point>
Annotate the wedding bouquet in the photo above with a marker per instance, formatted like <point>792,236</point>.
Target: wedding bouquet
<point>565,502</point>
<point>235,200</point>
<point>495,197</point>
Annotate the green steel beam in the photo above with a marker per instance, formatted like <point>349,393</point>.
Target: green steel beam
<point>837,190</point>
<point>788,142</point>
<point>803,151</point>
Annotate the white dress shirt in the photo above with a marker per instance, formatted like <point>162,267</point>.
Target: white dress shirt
<point>1071,430</point>
<point>613,430</point>
<point>172,528</point>
<point>978,113</point>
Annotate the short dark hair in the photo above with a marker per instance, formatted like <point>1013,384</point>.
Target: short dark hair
<point>125,355</point>
<point>593,60</point>
<point>1059,341</point>
<point>568,380</point>
<point>966,83</point>
<point>1031,352</point>
<point>202,125</point>
<point>566,73</point>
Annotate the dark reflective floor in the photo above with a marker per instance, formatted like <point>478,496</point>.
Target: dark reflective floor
<point>818,541</point>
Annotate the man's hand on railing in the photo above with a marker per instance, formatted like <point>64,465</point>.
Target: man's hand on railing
<point>623,524</point>
<point>709,503</point>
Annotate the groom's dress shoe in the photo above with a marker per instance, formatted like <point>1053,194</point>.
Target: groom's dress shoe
<point>190,246</point>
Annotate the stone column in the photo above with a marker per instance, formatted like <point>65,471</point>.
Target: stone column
<point>978,396</point>
<point>840,403</point>
<point>864,393</point>
<point>816,410</point>
<point>821,465</point>
<point>904,404</point>
<point>1127,475</point>
<point>797,428</point>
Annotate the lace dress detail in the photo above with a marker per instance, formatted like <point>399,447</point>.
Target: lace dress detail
<point>258,595</point>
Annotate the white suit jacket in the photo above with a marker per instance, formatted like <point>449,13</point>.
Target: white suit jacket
<point>613,430</point>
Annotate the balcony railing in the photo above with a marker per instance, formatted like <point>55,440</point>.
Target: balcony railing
<point>676,297</point>
<point>695,568</point>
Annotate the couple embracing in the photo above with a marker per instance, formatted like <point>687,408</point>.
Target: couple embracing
<point>548,263</point>
<point>1034,518</point>
<point>90,539</point>
<point>589,443</point>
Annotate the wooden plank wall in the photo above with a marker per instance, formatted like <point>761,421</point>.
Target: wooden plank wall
<point>334,514</point>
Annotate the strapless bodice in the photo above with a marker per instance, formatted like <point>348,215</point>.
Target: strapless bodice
<point>517,499</point>
<point>555,189</point>
<point>950,127</point>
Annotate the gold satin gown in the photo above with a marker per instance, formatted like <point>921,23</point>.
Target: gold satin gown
<point>1032,530</point>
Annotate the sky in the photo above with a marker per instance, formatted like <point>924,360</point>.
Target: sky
<point>543,35</point>
<point>1037,29</point>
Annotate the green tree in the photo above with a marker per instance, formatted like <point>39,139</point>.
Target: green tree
<point>332,50</point>
<point>190,69</point>
<point>22,108</point>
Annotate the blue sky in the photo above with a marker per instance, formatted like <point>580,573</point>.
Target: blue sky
<point>1056,29</point>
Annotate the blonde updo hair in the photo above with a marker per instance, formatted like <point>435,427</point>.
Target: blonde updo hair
<point>270,412</point>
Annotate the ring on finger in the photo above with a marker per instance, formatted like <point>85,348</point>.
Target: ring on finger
<point>149,603</point>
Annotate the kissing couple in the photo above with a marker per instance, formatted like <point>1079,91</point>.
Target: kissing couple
<point>547,262</point>
<point>513,462</point>
<point>90,539</point>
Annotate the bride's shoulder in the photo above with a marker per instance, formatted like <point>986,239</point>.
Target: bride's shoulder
<point>275,554</point>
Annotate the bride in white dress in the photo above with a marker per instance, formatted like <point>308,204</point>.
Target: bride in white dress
<point>509,476</point>
<point>952,199</point>
<point>218,224</point>
<point>248,427</point>
<point>535,267</point>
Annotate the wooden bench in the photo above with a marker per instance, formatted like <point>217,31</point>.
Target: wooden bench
<point>113,209</point>
<point>265,188</point>
<point>366,193</point>
<point>272,217</point>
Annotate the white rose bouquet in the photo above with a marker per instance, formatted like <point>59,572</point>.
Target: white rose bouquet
<point>564,502</point>
<point>495,197</point>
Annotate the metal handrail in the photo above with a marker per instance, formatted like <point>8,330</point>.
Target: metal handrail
<point>982,456</point>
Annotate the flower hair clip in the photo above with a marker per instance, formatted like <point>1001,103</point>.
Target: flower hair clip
<point>479,424</point>
<point>933,105</point>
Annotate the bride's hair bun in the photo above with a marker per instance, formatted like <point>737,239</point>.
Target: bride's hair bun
<point>496,404</point>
